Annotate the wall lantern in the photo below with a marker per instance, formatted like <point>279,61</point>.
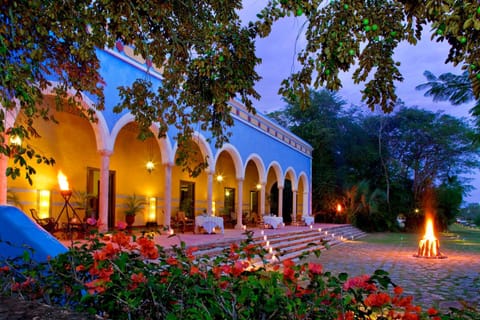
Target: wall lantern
<point>150,166</point>
<point>15,140</point>
<point>43,204</point>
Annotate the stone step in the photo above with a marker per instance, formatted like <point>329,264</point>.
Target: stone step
<point>291,245</point>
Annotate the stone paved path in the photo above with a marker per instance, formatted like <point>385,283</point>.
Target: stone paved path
<point>441,283</point>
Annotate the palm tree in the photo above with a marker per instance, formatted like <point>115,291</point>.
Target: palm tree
<point>448,87</point>
<point>360,200</point>
<point>457,89</point>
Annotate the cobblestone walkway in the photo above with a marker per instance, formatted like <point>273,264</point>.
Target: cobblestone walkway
<point>441,283</point>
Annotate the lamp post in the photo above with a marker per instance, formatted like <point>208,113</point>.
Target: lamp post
<point>339,208</point>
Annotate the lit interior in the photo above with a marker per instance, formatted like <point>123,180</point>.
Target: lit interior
<point>152,209</point>
<point>44,204</point>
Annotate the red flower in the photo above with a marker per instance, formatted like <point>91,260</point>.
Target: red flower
<point>109,250</point>
<point>95,286</point>
<point>360,282</point>
<point>91,221</point>
<point>194,270</point>
<point>226,269</point>
<point>398,290</point>
<point>300,291</point>
<point>403,302</point>
<point>239,267</point>
<point>172,261</point>
<point>105,273</point>
<point>432,311</point>
<point>138,278</point>
<point>234,256</point>
<point>288,263</point>
<point>249,249</point>
<point>410,316</point>
<point>289,273</point>
<point>349,315</point>
<point>377,299</point>
<point>224,285</point>
<point>190,252</point>
<point>233,247</point>
<point>315,268</point>
<point>4,269</point>
<point>148,248</point>
<point>216,271</point>
<point>121,239</point>
<point>80,268</point>
<point>99,256</point>
<point>233,252</point>
<point>121,225</point>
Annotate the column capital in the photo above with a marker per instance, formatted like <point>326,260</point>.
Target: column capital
<point>168,164</point>
<point>105,152</point>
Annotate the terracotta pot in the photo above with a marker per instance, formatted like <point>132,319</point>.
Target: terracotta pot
<point>129,220</point>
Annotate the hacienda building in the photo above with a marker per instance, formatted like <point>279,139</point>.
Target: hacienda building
<point>263,170</point>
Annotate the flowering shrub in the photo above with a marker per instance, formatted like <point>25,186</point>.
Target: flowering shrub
<point>126,277</point>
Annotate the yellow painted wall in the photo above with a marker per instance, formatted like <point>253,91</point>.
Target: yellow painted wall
<point>201,185</point>
<point>226,168</point>
<point>72,144</point>
<point>129,162</point>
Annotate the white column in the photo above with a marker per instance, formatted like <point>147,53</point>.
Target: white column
<point>210,192</point>
<point>103,192</point>
<point>167,195</point>
<point>3,179</point>
<point>239,204</point>
<point>262,200</point>
<point>280,201</point>
<point>294,206</point>
<point>305,204</point>
<point>8,122</point>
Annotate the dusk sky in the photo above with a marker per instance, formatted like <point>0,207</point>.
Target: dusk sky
<point>278,52</point>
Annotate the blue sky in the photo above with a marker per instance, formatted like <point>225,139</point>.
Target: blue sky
<point>277,52</point>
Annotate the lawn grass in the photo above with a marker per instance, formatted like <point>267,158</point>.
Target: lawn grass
<point>458,238</point>
<point>461,238</point>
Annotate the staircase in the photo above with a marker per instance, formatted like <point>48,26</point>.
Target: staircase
<point>291,245</point>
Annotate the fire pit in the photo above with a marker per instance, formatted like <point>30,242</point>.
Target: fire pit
<point>429,246</point>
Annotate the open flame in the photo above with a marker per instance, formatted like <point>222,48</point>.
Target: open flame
<point>429,246</point>
<point>429,241</point>
<point>62,181</point>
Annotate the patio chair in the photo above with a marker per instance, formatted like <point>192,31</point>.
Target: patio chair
<point>48,224</point>
<point>181,221</point>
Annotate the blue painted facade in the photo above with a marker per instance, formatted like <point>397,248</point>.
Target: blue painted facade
<point>263,163</point>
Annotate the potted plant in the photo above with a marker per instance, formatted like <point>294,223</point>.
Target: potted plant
<point>81,200</point>
<point>133,205</point>
<point>14,200</point>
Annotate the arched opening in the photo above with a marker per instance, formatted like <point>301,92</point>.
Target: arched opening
<point>72,144</point>
<point>137,164</point>
<point>287,205</point>
<point>252,187</point>
<point>225,189</point>
<point>189,193</point>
